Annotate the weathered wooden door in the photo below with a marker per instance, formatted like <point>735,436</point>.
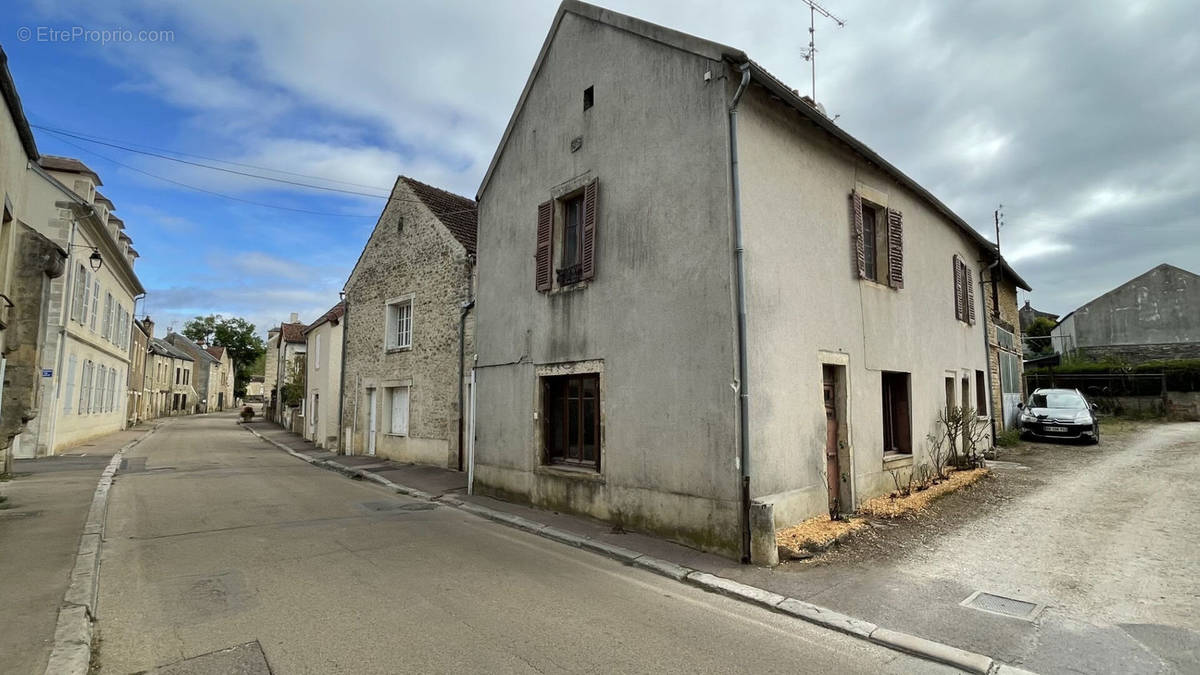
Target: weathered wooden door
<point>833,473</point>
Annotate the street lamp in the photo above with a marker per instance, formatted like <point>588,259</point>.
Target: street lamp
<point>95,260</point>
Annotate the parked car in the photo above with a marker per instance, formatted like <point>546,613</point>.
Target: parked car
<point>1059,413</point>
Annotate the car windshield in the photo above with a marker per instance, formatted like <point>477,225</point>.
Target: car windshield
<point>1056,399</point>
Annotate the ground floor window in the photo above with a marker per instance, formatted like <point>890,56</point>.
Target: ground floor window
<point>980,394</point>
<point>398,402</point>
<point>571,414</point>
<point>897,417</point>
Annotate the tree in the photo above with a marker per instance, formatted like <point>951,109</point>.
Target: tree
<point>293,387</point>
<point>1038,335</point>
<point>237,336</point>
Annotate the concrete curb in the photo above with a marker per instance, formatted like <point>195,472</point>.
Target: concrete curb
<point>827,618</point>
<point>72,652</point>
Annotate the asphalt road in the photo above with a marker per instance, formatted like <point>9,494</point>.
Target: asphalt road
<point>218,540</point>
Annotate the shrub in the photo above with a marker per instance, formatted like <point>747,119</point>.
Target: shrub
<point>1008,438</point>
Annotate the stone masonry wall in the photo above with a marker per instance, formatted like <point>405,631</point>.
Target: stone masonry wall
<point>421,258</point>
<point>1009,319</point>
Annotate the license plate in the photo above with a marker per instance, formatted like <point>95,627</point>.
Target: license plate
<point>1060,430</point>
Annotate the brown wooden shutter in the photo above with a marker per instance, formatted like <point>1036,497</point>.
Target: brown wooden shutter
<point>969,282</point>
<point>895,241</point>
<point>544,256</point>
<point>958,305</point>
<point>856,227</point>
<point>588,265</point>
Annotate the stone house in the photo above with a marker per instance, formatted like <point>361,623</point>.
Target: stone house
<point>205,370</point>
<point>1029,314</point>
<point>29,263</point>
<point>135,386</point>
<point>285,346</point>
<point>175,380</point>
<point>322,382</point>
<point>410,330</point>
<point>90,309</point>
<point>705,310</point>
<point>1006,374</point>
<point>221,387</point>
<point>1153,316</point>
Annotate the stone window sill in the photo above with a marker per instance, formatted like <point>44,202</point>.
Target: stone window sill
<point>897,460</point>
<point>394,350</point>
<point>571,472</point>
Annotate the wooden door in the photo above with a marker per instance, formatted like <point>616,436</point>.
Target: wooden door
<point>833,473</point>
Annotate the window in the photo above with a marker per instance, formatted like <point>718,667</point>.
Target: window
<point>69,392</point>
<point>398,405</point>
<point>399,318</point>
<point>187,375</point>
<point>589,97</point>
<point>85,388</point>
<point>878,235</point>
<point>964,292</point>
<point>95,303</point>
<point>571,413</point>
<point>897,426</point>
<point>80,296</point>
<point>106,326</point>
<point>870,245</point>
<point>178,375</point>
<point>1004,338</point>
<point>572,219</point>
<point>966,393</point>
<point>980,394</point>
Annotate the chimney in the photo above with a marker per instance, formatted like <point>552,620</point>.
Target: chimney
<point>294,318</point>
<point>149,324</point>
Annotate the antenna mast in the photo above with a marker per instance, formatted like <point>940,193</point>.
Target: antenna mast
<point>811,54</point>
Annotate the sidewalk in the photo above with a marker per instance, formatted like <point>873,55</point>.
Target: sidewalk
<point>40,528</point>
<point>756,585</point>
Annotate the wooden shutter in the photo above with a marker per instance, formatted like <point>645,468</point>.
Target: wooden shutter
<point>588,264</point>
<point>544,256</point>
<point>969,299</point>
<point>856,227</point>
<point>958,305</point>
<point>895,251</point>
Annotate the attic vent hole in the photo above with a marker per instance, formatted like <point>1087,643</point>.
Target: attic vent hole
<point>588,98</point>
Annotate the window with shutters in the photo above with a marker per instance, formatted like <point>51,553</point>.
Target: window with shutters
<point>878,241</point>
<point>399,324</point>
<point>571,419</point>
<point>964,291</point>
<point>565,254</point>
<point>397,398</point>
<point>69,392</point>
<point>980,394</point>
<point>95,304</point>
<point>897,416</point>
<point>80,296</point>
<point>85,387</point>
<point>106,325</point>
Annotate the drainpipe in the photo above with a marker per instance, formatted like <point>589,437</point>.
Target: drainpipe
<point>987,346</point>
<point>342,373</point>
<point>462,346</point>
<point>743,366</point>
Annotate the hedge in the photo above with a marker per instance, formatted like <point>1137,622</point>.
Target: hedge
<point>1181,374</point>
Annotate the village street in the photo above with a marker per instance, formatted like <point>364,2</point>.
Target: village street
<point>216,539</point>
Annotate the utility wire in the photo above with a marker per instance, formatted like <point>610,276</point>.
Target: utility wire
<point>388,198</point>
<point>96,139</point>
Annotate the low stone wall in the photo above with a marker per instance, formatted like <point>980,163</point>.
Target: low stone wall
<point>1141,353</point>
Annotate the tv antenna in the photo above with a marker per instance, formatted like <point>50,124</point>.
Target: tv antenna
<point>810,54</point>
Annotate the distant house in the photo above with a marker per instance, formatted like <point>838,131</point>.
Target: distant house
<point>323,379</point>
<point>1029,315</point>
<point>136,392</point>
<point>705,310</point>
<point>254,388</point>
<point>205,368</point>
<point>286,346</point>
<point>410,329</point>
<point>221,387</point>
<point>174,383</point>
<point>1153,316</point>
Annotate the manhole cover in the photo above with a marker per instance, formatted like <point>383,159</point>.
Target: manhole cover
<point>998,604</point>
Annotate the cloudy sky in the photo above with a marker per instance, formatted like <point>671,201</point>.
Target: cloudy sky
<point>1082,118</point>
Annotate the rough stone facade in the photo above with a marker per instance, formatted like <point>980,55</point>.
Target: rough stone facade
<point>412,254</point>
<point>135,408</point>
<point>1141,353</point>
<point>1008,319</point>
<point>204,369</point>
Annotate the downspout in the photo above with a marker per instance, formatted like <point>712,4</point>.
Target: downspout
<point>743,365</point>
<point>462,355</point>
<point>987,345</point>
<point>342,373</point>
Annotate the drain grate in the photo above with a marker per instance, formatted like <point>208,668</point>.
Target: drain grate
<point>998,604</point>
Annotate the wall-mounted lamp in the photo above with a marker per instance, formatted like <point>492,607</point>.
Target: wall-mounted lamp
<point>95,260</point>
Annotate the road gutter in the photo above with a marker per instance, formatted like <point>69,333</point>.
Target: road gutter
<point>930,650</point>
<point>72,652</point>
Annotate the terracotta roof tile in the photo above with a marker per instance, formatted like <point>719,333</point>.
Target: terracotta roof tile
<point>217,351</point>
<point>335,313</point>
<point>292,332</point>
<point>459,214</point>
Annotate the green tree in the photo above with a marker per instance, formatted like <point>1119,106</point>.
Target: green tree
<point>237,336</point>
<point>1038,335</point>
<point>293,386</point>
